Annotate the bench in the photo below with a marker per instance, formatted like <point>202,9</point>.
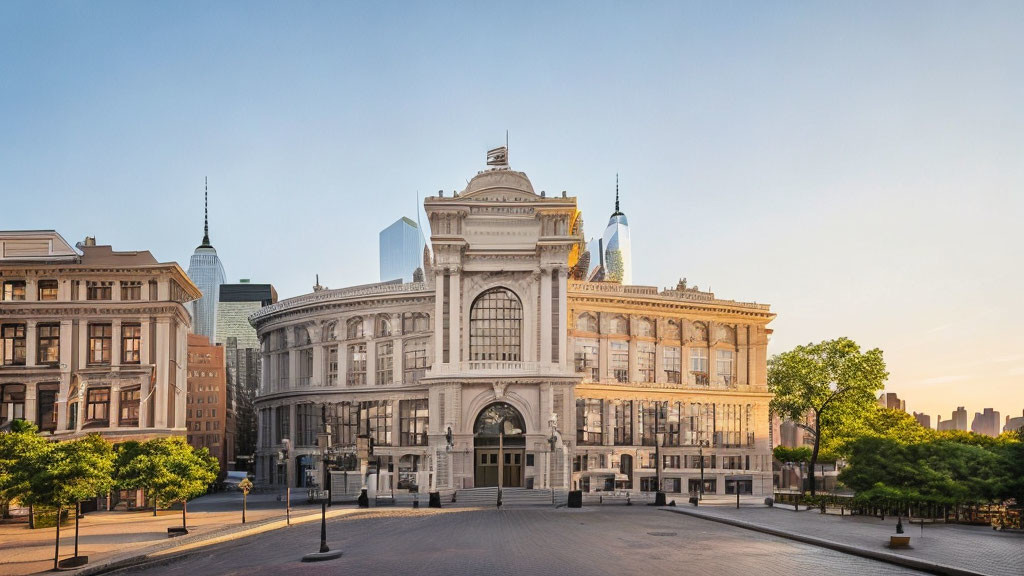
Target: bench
<point>899,541</point>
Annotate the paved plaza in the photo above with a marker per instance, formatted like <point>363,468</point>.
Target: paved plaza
<point>973,548</point>
<point>523,542</point>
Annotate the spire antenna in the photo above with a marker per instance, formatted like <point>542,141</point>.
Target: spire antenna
<point>206,212</point>
<point>616,192</point>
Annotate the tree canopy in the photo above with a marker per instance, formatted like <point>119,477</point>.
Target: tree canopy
<point>823,387</point>
<point>169,468</point>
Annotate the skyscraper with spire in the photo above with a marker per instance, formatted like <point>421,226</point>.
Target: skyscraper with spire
<point>207,272</point>
<point>618,258</point>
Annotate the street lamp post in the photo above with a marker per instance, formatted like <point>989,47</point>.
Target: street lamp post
<point>325,552</point>
<point>700,452</point>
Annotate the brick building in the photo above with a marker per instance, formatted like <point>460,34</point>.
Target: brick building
<point>209,418</point>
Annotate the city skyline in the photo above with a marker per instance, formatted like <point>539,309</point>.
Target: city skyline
<point>777,148</point>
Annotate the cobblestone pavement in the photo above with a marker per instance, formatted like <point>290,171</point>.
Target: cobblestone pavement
<point>976,548</point>
<point>523,542</point>
<point>103,534</point>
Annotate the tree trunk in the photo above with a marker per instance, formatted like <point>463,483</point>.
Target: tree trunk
<point>56,549</point>
<point>814,453</point>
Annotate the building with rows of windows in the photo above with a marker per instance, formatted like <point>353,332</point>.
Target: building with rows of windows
<point>504,368</point>
<point>92,341</point>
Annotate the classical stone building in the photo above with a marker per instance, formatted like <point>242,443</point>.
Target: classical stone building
<point>500,369</point>
<point>92,341</point>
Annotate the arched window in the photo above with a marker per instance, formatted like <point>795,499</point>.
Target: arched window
<point>586,322</point>
<point>383,326</point>
<point>499,418</point>
<point>301,336</point>
<point>646,328</point>
<point>354,328</point>
<point>618,325</point>
<point>672,330</point>
<point>700,331</point>
<point>331,332</point>
<point>495,326</point>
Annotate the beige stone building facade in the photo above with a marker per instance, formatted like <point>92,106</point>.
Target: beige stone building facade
<point>500,370</point>
<point>92,341</point>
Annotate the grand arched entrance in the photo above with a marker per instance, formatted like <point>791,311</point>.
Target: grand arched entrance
<point>499,446</point>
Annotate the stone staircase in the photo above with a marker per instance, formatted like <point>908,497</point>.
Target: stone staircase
<point>476,497</point>
<point>525,497</point>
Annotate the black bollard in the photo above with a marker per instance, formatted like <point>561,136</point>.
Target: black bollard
<point>435,500</point>
<point>364,500</point>
<point>899,525</point>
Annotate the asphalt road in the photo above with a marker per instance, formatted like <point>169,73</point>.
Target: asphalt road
<point>539,541</point>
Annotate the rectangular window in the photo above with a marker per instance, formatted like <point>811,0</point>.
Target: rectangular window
<point>131,343</point>
<point>307,423</point>
<point>376,423</point>
<point>653,420</point>
<point>624,423</point>
<point>589,421</point>
<point>46,415</point>
<point>305,366</point>
<point>129,407</point>
<point>48,345</point>
<point>12,339</point>
<point>385,363</point>
<point>588,358</point>
<point>12,402</point>
<point>699,365</point>
<point>724,364</point>
<point>618,365</point>
<point>414,361</point>
<point>344,419</point>
<point>357,365</point>
<point>413,421</point>
<point>282,425</point>
<point>97,406</point>
<point>131,290</point>
<point>282,371</point>
<point>672,364</point>
<point>446,318</point>
<point>47,289</point>
<point>98,290</point>
<point>332,366</point>
<point>14,290</point>
<point>99,343</point>
<point>645,360</point>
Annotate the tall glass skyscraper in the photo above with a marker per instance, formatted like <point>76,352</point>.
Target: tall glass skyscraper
<point>401,250</point>
<point>611,258</point>
<point>207,272</point>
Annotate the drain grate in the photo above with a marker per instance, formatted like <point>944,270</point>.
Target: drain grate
<point>662,534</point>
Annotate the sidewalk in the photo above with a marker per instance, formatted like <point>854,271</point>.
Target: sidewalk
<point>104,536</point>
<point>942,549</point>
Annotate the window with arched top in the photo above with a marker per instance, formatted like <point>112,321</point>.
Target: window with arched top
<point>619,325</point>
<point>672,330</point>
<point>645,328</point>
<point>354,328</point>
<point>383,326</point>
<point>700,331</point>
<point>495,326</point>
<point>586,322</point>
<point>301,336</point>
<point>330,332</point>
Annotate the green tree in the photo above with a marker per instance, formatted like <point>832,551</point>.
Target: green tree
<point>170,469</point>
<point>786,454</point>
<point>68,472</point>
<point>824,386</point>
<point>18,448</point>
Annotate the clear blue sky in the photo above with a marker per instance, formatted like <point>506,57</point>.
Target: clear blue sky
<point>857,165</point>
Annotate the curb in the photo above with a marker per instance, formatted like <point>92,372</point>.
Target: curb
<point>186,544</point>
<point>888,557</point>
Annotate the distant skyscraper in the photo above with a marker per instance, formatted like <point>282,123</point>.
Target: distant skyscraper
<point>958,422</point>
<point>986,423</point>
<point>242,357</point>
<point>205,269</point>
<point>618,259</point>
<point>923,419</point>
<point>891,401</point>
<point>401,250</point>
<point>1013,423</point>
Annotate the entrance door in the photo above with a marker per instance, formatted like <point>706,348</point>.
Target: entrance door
<point>488,467</point>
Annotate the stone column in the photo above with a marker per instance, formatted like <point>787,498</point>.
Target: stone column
<point>545,316</point>
<point>371,362</point>
<point>30,347</point>
<point>398,360</point>
<point>438,318</point>
<point>603,362</point>
<point>293,369</point>
<point>455,342</point>
<point>115,342</point>
<point>563,316</point>
<point>31,292</point>
<point>83,343</point>
<point>319,375</point>
<point>144,358</point>
<point>163,360</point>
<point>115,404</point>
<point>30,401</point>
